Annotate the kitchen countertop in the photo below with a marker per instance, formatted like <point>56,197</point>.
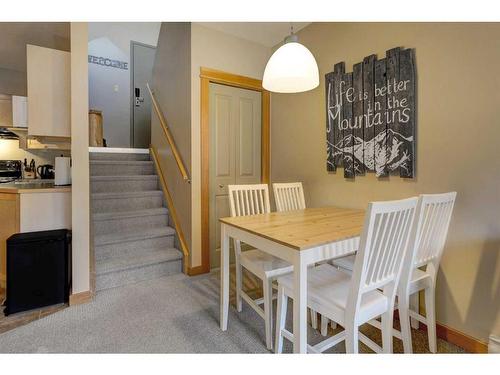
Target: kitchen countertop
<point>36,186</point>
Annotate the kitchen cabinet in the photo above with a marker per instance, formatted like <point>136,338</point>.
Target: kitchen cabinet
<point>30,210</point>
<point>48,76</point>
<point>9,207</point>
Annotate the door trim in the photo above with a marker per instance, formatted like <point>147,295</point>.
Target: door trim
<point>208,76</point>
<point>132,96</point>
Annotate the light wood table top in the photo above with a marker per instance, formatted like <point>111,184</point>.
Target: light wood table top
<point>303,229</point>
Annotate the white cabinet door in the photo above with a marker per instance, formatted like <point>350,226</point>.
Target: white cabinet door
<point>45,211</point>
<point>19,111</point>
<point>48,92</point>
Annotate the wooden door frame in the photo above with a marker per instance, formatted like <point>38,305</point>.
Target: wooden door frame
<point>208,76</point>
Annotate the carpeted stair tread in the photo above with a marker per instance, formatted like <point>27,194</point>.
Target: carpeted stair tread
<point>105,239</point>
<point>121,162</point>
<point>124,177</point>
<point>143,155</point>
<point>118,264</point>
<point>128,194</point>
<point>126,214</point>
<point>114,182</point>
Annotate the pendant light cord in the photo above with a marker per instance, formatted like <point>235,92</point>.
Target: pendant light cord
<point>292,37</point>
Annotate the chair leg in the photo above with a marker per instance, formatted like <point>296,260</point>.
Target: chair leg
<point>404,319</point>
<point>333,325</point>
<point>280,319</point>
<point>314,319</point>
<point>239,271</point>
<point>352,339</point>
<point>414,306</point>
<point>268,312</point>
<point>387,326</point>
<point>324,325</point>
<point>430,312</point>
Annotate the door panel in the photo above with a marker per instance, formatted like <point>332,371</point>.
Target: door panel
<point>223,144</point>
<point>235,151</point>
<point>143,57</point>
<point>248,135</point>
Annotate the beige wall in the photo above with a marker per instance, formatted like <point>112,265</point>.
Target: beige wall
<point>13,82</point>
<point>216,50</point>
<point>15,36</point>
<point>457,144</point>
<point>80,197</point>
<point>171,84</point>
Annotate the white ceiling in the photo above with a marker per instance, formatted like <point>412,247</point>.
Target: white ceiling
<point>268,34</point>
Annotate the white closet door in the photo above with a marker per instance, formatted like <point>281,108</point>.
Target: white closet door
<point>235,150</point>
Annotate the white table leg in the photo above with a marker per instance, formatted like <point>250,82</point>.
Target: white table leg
<point>224,278</point>
<point>300,306</point>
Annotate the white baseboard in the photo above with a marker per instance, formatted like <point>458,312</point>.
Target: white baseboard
<point>494,344</point>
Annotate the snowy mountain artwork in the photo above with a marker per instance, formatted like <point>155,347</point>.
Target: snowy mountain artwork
<point>371,116</point>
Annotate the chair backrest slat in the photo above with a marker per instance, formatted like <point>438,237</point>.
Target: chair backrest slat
<point>261,198</point>
<point>289,196</point>
<point>389,252</point>
<point>374,238</point>
<point>249,199</point>
<point>401,233</point>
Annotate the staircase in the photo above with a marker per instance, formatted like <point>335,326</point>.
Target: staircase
<point>132,237</point>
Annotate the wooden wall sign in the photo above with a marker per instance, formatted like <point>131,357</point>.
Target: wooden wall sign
<point>370,116</point>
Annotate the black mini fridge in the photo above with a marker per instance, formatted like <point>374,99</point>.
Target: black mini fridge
<point>38,270</point>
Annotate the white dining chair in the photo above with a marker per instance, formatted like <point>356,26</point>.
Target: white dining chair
<point>369,292</point>
<point>432,224</point>
<point>289,196</point>
<point>421,265</point>
<point>253,200</point>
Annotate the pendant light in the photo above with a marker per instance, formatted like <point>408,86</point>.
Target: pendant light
<point>291,68</point>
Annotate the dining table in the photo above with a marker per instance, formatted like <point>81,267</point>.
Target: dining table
<point>300,237</point>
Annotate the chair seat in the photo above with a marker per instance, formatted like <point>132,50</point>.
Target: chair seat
<point>419,279</point>
<point>264,265</point>
<point>328,290</point>
<point>347,263</point>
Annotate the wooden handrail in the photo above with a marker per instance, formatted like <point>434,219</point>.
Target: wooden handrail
<point>171,209</point>
<point>168,135</point>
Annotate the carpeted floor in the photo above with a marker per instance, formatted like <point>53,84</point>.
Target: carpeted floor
<point>174,314</point>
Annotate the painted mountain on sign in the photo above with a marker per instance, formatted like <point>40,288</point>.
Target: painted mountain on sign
<point>376,153</point>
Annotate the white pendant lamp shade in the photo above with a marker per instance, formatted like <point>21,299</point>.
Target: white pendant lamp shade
<point>292,68</point>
